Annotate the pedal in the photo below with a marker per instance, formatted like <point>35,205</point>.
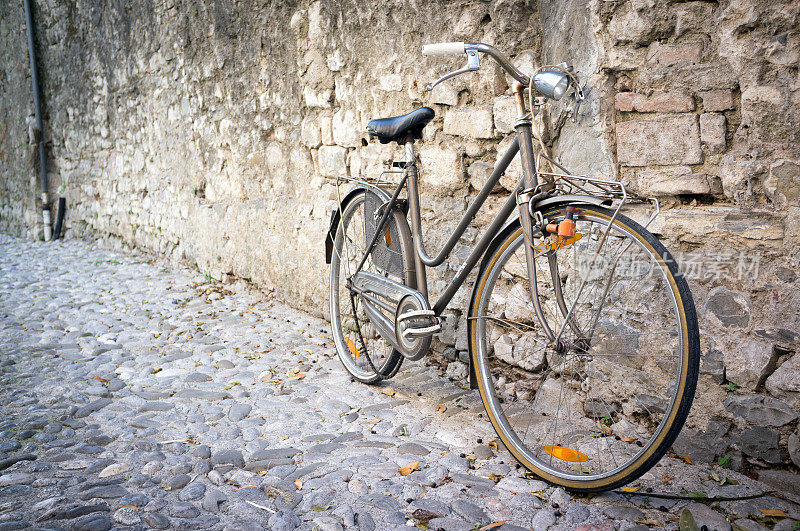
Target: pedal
<point>410,326</point>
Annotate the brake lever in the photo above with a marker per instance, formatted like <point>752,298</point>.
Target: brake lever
<point>473,63</point>
<point>579,97</point>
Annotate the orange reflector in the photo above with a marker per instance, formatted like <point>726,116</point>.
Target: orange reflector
<point>566,454</point>
<point>352,347</point>
<point>387,237</point>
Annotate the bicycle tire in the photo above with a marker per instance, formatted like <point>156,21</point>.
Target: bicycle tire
<point>573,446</point>
<point>347,337</point>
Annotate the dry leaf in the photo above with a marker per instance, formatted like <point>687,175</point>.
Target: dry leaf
<point>492,445</point>
<point>296,377</point>
<point>631,489</point>
<point>686,458</point>
<point>298,484</point>
<point>388,391</point>
<point>246,487</point>
<point>441,409</point>
<point>409,468</point>
<point>493,525</point>
<point>774,512</point>
<point>271,380</point>
<point>540,495</point>
<point>130,507</point>
<point>100,379</point>
<point>667,479</point>
<point>626,439</point>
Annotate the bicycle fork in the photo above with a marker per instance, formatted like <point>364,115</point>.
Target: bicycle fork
<point>531,184</point>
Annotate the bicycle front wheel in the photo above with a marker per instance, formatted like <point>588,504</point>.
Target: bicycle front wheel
<point>598,401</point>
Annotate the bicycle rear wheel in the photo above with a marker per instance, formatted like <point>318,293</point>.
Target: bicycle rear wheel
<point>600,407</point>
<point>363,352</point>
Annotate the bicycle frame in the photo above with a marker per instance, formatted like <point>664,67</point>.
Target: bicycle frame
<point>521,144</point>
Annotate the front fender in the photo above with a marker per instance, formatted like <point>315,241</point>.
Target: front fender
<point>336,215</point>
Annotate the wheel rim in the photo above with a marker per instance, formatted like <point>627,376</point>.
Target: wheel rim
<point>581,450</point>
<point>348,249</point>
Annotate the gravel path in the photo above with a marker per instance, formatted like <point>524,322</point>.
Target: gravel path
<point>139,395</point>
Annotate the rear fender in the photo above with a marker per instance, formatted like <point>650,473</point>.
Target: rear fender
<point>336,215</point>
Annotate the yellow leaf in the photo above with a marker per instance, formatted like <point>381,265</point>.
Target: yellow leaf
<point>631,489</point>
<point>100,379</point>
<point>298,484</point>
<point>492,445</point>
<point>441,409</point>
<point>667,479</point>
<point>388,391</point>
<point>493,525</point>
<point>566,454</point>
<point>409,468</point>
<point>774,512</point>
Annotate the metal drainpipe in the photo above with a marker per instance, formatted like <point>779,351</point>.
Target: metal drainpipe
<point>37,106</point>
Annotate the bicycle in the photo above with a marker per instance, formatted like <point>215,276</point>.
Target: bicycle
<point>582,333</point>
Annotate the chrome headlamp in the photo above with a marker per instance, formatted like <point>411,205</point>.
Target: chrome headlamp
<point>551,83</point>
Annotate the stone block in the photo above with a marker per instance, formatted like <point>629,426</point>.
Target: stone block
<point>746,361</point>
<point>782,185</point>
<point>625,58</point>
<point>332,161</point>
<point>629,25</point>
<point>442,170</point>
<point>479,173</point>
<point>346,130</point>
<point>760,410</point>
<point>473,122</point>
<point>712,131</point>
<point>688,53</point>
<point>325,121</point>
<point>310,134</point>
<point>786,378</point>
<point>658,102</point>
<point>717,100</point>
<point>661,141</point>
<point>761,443</point>
<point>445,94</point>
<point>505,113</point>
<point>730,308</point>
<point>672,181</point>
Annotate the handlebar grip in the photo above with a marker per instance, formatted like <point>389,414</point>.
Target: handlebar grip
<point>444,48</point>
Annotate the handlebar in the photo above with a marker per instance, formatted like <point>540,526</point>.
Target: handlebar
<point>455,48</point>
<point>444,48</point>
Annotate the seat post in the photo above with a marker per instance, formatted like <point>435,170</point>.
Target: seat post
<point>410,155</point>
<point>414,209</point>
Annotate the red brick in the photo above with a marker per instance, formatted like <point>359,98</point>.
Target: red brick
<point>717,100</point>
<point>624,101</point>
<point>661,141</point>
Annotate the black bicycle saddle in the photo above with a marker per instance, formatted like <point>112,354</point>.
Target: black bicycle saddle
<point>399,127</point>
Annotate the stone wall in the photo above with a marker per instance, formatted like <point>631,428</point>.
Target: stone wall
<point>208,132</point>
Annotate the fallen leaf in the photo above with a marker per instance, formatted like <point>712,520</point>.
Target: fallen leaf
<point>492,445</point>
<point>271,380</point>
<point>667,479</point>
<point>777,513</point>
<point>441,409</point>
<point>246,487</point>
<point>321,507</point>
<point>687,523</point>
<point>423,516</point>
<point>296,377</point>
<point>130,507</point>
<point>409,468</point>
<point>100,379</point>
<point>298,484</point>
<point>493,525</point>
<point>631,489</point>
<point>156,370</point>
<point>388,391</point>
<point>625,438</point>
<point>540,495</point>
<point>604,429</point>
<point>686,458</point>
<point>495,477</point>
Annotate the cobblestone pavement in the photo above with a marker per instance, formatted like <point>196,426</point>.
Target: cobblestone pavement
<point>138,395</point>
